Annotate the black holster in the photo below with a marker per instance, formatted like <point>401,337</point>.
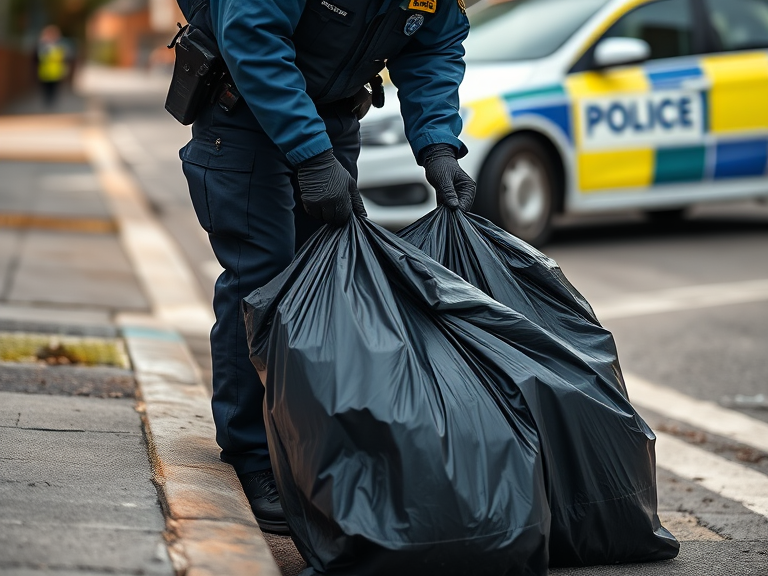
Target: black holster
<point>198,71</point>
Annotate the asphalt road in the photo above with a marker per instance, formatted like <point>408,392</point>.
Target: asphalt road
<point>710,349</point>
<point>713,352</point>
<point>688,305</point>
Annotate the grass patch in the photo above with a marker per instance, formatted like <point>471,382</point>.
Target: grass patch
<point>62,350</point>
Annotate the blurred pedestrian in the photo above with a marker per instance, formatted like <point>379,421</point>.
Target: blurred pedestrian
<point>52,63</point>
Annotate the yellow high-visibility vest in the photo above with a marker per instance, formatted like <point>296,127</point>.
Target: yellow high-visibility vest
<point>52,65</point>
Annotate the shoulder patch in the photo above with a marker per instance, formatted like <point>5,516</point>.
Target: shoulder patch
<point>413,24</point>
<point>462,6</point>
<point>423,5</point>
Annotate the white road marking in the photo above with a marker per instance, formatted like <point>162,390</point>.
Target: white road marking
<point>726,478</point>
<point>685,298</point>
<point>701,414</point>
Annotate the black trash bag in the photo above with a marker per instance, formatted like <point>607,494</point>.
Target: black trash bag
<point>598,452</point>
<point>394,449</point>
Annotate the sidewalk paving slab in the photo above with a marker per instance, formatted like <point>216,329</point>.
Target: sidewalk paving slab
<point>51,189</point>
<point>99,458</point>
<point>76,269</point>
<point>67,414</point>
<point>56,320</point>
<point>87,252</point>
<point>85,549</point>
<point>76,488</point>
<point>95,382</point>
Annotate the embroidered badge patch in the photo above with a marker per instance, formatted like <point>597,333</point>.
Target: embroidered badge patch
<point>423,5</point>
<point>333,8</point>
<point>413,23</point>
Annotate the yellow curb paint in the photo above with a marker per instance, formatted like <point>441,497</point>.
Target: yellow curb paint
<point>52,156</point>
<point>58,223</point>
<point>42,121</point>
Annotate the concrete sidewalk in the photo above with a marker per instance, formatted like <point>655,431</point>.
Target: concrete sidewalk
<point>75,488</point>
<point>106,468</point>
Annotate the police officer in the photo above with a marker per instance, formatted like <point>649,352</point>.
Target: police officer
<point>264,174</point>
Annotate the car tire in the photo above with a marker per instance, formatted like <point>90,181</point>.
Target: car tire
<point>671,216</point>
<point>518,189</point>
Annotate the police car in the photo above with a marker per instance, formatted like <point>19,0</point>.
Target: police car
<point>594,105</point>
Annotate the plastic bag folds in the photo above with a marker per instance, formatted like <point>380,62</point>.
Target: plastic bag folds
<point>597,451</point>
<point>399,435</point>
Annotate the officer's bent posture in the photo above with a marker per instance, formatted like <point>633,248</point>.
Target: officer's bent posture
<point>293,140</point>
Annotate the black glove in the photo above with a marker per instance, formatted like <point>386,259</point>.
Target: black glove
<point>454,187</point>
<point>328,191</point>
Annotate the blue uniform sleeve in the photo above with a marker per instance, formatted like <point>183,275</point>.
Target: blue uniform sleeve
<point>254,37</point>
<point>427,74</point>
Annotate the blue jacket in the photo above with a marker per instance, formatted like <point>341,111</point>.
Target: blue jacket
<point>287,55</point>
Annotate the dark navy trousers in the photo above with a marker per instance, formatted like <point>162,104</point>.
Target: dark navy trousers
<point>246,197</point>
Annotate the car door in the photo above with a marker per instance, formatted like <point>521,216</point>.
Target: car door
<point>641,125</point>
<point>739,98</point>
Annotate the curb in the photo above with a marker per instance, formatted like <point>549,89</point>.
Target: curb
<point>210,529</point>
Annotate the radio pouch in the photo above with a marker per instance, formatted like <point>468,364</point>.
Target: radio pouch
<point>197,71</point>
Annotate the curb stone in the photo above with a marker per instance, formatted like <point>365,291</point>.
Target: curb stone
<point>210,529</point>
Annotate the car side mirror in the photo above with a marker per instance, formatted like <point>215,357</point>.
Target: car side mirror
<point>621,51</point>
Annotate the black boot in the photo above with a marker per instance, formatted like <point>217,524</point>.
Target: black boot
<point>262,494</point>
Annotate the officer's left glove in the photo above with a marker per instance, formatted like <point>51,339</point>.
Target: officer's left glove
<point>454,187</point>
<point>328,191</point>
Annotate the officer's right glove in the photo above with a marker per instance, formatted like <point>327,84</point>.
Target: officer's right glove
<point>454,187</point>
<point>328,191</point>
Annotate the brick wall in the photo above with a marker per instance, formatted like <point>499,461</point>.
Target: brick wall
<point>16,74</point>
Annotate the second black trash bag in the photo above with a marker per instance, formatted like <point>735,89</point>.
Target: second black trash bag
<point>598,452</point>
<point>394,449</point>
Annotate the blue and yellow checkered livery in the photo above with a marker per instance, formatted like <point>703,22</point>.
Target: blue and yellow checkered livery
<point>701,119</point>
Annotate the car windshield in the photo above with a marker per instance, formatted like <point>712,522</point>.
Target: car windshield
<point>525,29</point>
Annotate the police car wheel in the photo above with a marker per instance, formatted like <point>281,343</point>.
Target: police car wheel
<point>517,189</point>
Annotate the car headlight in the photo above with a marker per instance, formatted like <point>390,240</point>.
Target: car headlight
<point>385,132</point>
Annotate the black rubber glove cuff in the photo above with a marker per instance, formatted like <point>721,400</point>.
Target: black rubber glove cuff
<point>328,191</point>
<point>454,188</point>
